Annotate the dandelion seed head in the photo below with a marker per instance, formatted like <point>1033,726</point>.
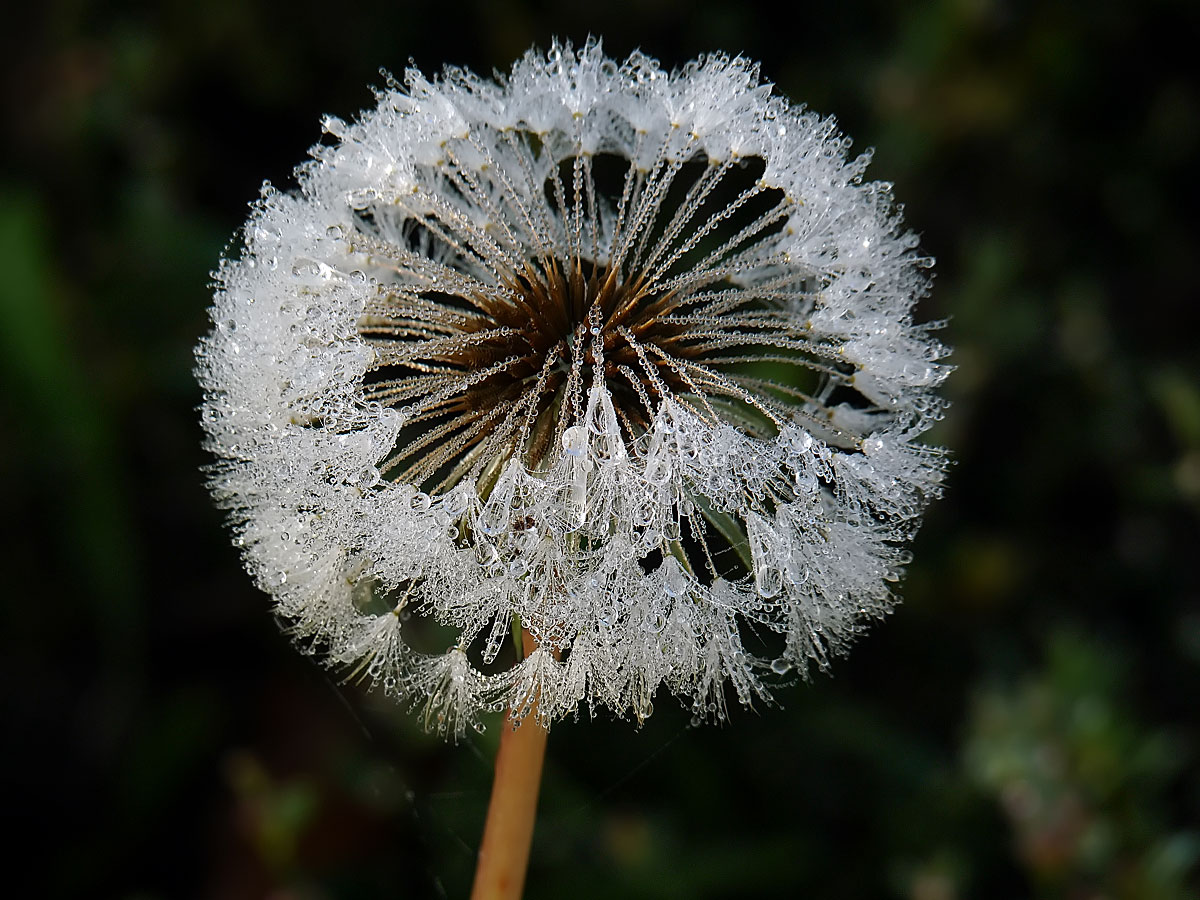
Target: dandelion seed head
<point>623,356</point>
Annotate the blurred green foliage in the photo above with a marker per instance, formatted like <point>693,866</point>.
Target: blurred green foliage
<point>1081,779</point>
<point>1025,724</point>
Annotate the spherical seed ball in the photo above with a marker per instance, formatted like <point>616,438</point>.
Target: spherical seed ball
<point>620,356</point>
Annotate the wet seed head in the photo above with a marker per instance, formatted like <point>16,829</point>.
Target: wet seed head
<point>621,356</point>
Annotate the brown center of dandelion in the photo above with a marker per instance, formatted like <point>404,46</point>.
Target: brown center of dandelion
<point>528,344</point>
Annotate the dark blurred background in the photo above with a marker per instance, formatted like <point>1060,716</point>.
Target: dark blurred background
<point>1024,726</point>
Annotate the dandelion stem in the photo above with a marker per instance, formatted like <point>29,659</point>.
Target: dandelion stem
<point>508,832</point>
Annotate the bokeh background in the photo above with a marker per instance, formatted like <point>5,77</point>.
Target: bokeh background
<point>1024,726</point>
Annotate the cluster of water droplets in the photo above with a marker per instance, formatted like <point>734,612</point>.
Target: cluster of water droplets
<point>692,552</point>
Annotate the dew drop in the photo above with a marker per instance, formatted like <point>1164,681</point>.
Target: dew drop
<point>768,580</point>
<point>574,440</point>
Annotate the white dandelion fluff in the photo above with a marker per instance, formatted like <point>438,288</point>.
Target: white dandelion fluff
<point>619,356</point>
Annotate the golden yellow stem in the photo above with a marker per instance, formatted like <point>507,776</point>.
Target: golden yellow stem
<point>508,832</point>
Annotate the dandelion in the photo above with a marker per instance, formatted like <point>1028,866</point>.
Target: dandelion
<point>615,358</point>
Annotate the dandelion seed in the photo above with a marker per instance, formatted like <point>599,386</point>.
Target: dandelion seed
<point>620,355</point>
